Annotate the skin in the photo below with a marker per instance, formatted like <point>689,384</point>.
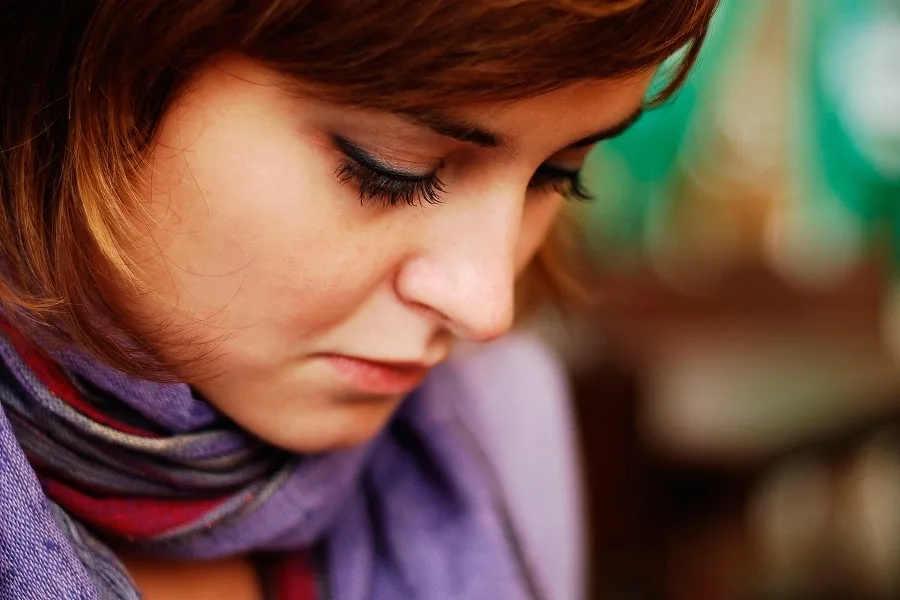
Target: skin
<point>257,257</point>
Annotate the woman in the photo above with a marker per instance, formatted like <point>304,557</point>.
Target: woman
<point>238,239</point>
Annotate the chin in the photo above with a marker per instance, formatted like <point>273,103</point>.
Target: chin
<point>328,429</point>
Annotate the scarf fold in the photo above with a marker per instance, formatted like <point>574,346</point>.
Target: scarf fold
<point>90,455</point>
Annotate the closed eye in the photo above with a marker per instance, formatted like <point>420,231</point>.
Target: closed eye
<point>562,181</point>
<point>376,181</point>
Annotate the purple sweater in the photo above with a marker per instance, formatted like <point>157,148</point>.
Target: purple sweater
<point>525,421</point>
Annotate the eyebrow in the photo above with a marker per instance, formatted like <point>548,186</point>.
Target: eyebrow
<point>464,131</point>
<point>456,128</point>
<point>610,132</point>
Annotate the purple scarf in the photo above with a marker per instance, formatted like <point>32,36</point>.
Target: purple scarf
<point>415,513</point>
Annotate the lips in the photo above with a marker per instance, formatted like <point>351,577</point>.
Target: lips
<point>377,377</point>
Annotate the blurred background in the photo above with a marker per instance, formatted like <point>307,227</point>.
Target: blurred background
<point>738,376</point>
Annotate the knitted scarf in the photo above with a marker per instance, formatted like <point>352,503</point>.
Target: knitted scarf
<point>92,458</point>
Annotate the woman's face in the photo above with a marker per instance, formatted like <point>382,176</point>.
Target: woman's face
<point>318,259</point>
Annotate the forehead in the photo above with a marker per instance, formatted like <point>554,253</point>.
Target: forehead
<point>570,113</point>
<point>610,95</point>
<point>552,119</point>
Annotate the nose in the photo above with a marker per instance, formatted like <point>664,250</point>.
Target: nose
<point>464,268</point>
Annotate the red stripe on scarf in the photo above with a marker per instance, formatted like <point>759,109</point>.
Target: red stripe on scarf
<point>49,373</point>
<point>294,577</point>
<point>136,518</point>
<point>130,518</point>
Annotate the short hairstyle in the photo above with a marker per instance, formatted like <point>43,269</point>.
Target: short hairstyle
<point>83,86</point>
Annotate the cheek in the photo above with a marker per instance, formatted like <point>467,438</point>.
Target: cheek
<point>537,218</point>
<point>250,231</point>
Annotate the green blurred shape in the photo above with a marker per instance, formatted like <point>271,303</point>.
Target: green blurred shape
<point>843,57</point>
<point>632,175</point>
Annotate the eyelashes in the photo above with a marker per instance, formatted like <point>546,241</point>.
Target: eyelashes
<point>377,182</point>
<point>561,181</point>
<point>390,189</point>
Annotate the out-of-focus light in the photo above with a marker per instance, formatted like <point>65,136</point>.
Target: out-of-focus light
<point>870,523</point>
<point>789,517</point>
<point>814,245</point>
<point>890,322</point>
<point>862,73</point>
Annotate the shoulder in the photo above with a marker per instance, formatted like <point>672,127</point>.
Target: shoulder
<point>518,404</point>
